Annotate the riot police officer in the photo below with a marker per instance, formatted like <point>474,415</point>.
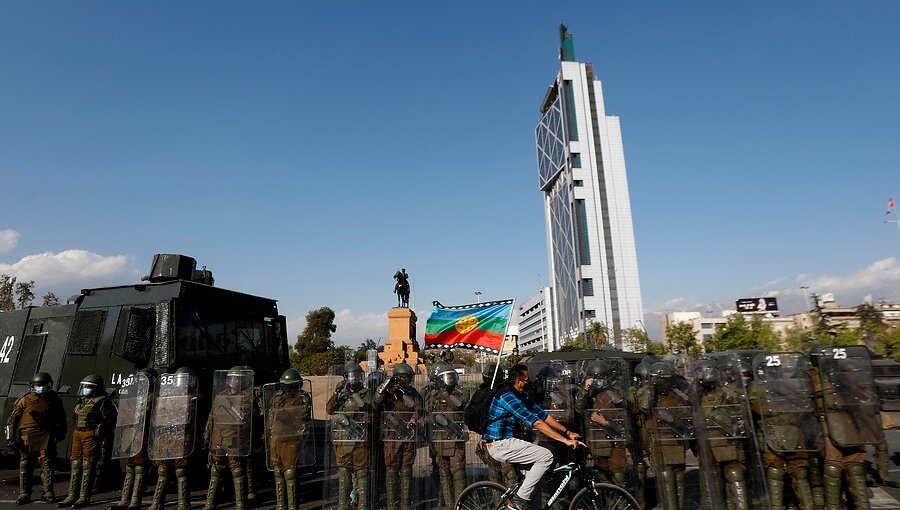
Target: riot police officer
<point>351,404</point>
<point>130,441</point>
<point>228,432</point>
<point>93,416</point>
<point>671,430</point>
<point>173,426</point>
<point>288,411</point>
<point>401,409</point>
<point>36,423</point>
<point>604,410</point>
<point>450,456</point>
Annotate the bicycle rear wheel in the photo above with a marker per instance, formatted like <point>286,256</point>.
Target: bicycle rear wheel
<point>608,497</point>
<point>483,496</point>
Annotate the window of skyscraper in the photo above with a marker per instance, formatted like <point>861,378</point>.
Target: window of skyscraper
<point>584,251</point>
<point>576,160</point>
<point>588,285</point>
<point>571,120</point>
<point>578,183</point>
<point>590,314</point>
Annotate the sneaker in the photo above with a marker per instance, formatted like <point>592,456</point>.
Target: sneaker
<point>517,503</point>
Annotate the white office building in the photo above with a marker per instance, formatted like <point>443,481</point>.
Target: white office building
<point>581,171</point>
<point>535,317</point>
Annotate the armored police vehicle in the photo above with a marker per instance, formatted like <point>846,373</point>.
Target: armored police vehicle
<point>175,317</point>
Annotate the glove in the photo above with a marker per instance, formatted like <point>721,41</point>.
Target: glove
<point>340,386</point>
<point>12,443</point>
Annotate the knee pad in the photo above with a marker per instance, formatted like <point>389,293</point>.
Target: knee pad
<point>832,471</point>
<point>180,472</point>
<point>774,473</point>
<point>856,470</point>
<point>138,470</point>
<point>734,474</point>
<point>24,464</point>
<point>290,473</point>
<point>237,472</point>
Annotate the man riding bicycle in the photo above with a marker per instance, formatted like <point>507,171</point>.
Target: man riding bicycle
<point>510,406</point>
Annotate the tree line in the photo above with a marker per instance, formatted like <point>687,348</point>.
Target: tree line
<point>18,295</point>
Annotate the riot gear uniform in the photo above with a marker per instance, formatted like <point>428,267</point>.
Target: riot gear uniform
<point>401,409</point>
<point>671,430</point>
<point>846,397</point>
<point>351,406</point>
<point>93,416</point>
<point>36,423</point>
<point>450,456</point>
<point>130,441</point>
<point>288,411</point>
<point>228,432</point>
<point>781,397</point>
<point>173,427</point>
<point>604,410</point>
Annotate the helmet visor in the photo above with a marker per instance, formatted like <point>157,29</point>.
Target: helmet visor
<point>355,379</point>
<point>449,378</point>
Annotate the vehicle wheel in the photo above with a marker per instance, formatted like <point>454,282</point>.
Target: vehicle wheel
<point>483,496</point>
<point>609,497</point>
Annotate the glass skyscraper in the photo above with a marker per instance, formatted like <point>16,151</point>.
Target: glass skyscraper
<point>590,237</point>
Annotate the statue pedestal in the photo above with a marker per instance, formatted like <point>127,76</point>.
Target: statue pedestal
<point>401,342</point>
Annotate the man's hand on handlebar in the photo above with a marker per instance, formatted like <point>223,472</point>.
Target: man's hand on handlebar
<point>574,443</point>
<point>571,434</point>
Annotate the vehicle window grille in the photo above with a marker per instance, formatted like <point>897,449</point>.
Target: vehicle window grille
<point>86,331</point>
<point>29,358</point>
<point>136,339</point>
<point>164,354</point>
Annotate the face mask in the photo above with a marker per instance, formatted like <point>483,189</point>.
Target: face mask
<point>38,390</point>
<point>86,392</point>
<point>528,387</point>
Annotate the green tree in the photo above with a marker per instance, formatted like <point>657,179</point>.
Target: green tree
<point>7,285</point>
<point>657,348</point>
<point>842,335</point>
<point>576,344</point>
<point>872,328</point>
<point>797,338</point>
<point>50,299</point>
<point>681,339</point>
<point>24,294</point>
<point>596,335</point>
<point>314,353</point>
<point>635,340</point>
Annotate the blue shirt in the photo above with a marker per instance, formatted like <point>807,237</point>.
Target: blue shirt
<point>506,408</point>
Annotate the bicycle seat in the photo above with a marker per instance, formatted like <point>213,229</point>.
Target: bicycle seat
<point>571,466</point>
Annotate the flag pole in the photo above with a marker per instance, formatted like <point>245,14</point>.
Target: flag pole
<point>512,307</point>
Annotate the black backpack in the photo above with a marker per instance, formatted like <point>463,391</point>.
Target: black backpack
<point>475,415</point>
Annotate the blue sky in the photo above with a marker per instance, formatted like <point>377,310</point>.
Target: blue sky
<point>305,151</point>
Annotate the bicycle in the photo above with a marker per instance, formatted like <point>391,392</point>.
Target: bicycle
<point>594,495</point>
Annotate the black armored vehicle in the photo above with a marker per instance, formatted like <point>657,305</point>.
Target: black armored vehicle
<point>175,317</point>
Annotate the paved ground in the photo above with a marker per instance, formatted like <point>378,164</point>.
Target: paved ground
<point>882,498</point>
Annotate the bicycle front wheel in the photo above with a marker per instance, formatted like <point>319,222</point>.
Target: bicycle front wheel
<point>483,496</point>
<point>604,496</point>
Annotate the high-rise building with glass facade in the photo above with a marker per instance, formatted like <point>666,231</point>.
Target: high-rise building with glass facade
<point>581,171</point>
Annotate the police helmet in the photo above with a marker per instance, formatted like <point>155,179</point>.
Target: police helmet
<point>487,374</point>
<point>642,371</point>
<point>707,374</point>
<point>291,376</point>
<point>91,385</point>
<point>42,378</point>
<point>445,374</point>
<point>354,376</point>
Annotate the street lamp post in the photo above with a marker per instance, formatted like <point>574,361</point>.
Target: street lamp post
<point>477,296</point>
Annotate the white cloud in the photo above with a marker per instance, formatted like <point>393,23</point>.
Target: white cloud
<point>354,328</point>
<point>69,268</point>
<point>880,278</point>
<point>9,238</point>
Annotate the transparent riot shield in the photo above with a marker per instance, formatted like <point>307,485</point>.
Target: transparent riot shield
<point>402,428</point>
<point>670,420</point>
<point>607,424</point>
<point>351,448</point>
<point>731,473</point>
<point>851,402</point>
<point>787,407</point>
<point>231,413</point>
<point>555,391</point>
<point>287,410</point>
<point>173,421</point>
<point>131,420</point>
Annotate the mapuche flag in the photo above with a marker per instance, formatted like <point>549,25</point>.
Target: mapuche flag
<point>480,326</point>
